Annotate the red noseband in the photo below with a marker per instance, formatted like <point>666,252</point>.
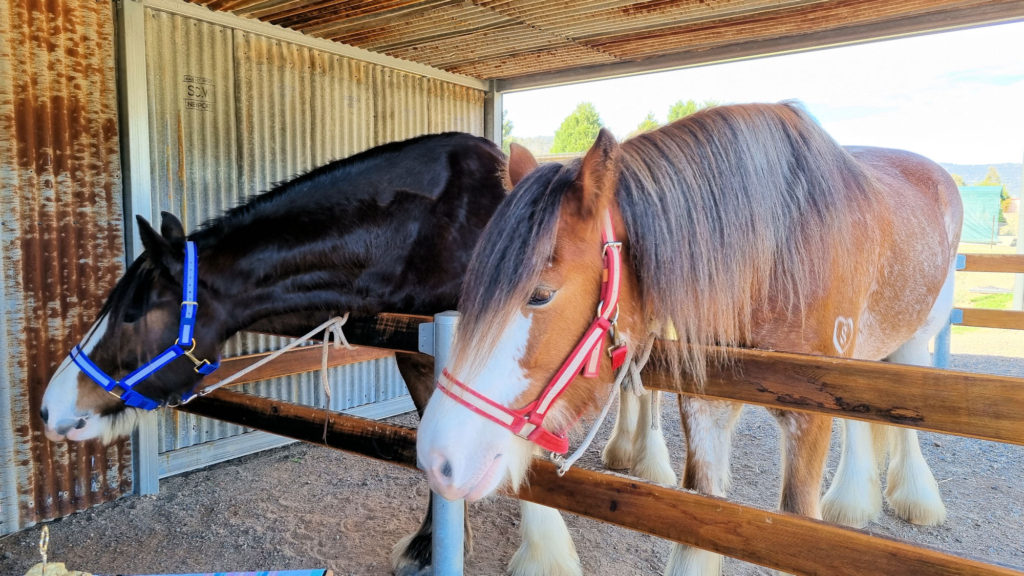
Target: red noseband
<point>585,359</point>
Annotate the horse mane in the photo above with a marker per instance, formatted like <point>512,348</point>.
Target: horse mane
<point>350,180</point>
<point>512,252</point>
<point>731,212</point>
<point>726,213</point>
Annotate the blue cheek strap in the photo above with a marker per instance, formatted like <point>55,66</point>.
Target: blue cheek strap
<point>124,389</point>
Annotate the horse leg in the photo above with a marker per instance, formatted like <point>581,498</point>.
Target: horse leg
<point>804,446</point>
<point>547,547</point>
<point>618,453</point>
<point>855,496</point>
<point>411,556</point>
<point>651,459</point>
<point>910,488</point>
<point>708,425</point>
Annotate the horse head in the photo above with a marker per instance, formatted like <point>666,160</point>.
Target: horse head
<point>138,325</point>
<point>529,327</point>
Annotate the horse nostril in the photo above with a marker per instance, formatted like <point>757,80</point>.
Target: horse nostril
<point>446,469</point>
<point>80,424</point>
<point>44,413</point>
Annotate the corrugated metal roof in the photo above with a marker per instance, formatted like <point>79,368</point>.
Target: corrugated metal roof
<point>508,39</point>
<point>60,243</point>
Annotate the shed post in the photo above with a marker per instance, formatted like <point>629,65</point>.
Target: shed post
<point>493,114</point>
<point>1018,284</point>
<point>448,517</point>
<point>134,129</point>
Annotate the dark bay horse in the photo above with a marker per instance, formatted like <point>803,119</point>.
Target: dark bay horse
<point>736,226</point>
<point>387,230</point>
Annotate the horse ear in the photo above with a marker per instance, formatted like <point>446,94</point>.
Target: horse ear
<point>598,173</point>
<point>520,163</point>
<point>158,248</point>
<point>156,245</point>
<point>171,229</point>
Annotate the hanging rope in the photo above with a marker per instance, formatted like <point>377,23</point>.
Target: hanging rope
<point>332,332</point>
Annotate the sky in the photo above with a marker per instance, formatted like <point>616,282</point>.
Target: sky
<point>954,97</point>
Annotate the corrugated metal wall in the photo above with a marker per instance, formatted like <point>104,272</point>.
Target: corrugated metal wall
<point>232,112</point>
<point>60,242</point>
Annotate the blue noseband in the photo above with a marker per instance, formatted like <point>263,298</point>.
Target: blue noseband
<point>186,333</point>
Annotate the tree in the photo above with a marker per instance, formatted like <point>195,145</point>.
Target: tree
<point>958,179</point>
<point>506,132</point>
<point>578,131</point>
<point>680,108</point>
<point>992,179</point>
<point>648,123</point>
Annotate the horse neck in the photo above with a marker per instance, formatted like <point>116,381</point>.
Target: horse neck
<point>287,266</point>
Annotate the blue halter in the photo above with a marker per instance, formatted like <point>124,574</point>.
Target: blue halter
<point>186,333</point>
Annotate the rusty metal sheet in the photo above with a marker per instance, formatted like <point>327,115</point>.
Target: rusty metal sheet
<point>60,243</point>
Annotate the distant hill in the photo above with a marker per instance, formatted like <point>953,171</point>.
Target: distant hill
<point>535,144</point>
<point>1010,174</point>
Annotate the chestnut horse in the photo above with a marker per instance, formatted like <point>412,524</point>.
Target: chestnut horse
<point>739,225</point>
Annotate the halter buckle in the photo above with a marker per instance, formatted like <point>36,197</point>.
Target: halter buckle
<point>197,362</point>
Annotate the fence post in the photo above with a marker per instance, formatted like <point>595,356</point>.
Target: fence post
<point>941,359</point>
<point>449,517</point>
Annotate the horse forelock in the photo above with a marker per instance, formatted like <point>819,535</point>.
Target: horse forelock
<point>508,260</point>
<point>730,210</point>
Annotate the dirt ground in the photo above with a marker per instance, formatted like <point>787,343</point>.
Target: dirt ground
<point>305,507</point>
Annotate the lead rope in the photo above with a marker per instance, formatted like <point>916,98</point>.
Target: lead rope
<point>332,330</point>
<point>631,368</point>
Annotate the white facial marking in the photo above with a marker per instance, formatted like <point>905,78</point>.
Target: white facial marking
<point>464,454</point>
<point>61,396</point>
<point>842,334</point>
<point>502,378</point>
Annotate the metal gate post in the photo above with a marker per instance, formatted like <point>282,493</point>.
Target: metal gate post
<point>449,517</point>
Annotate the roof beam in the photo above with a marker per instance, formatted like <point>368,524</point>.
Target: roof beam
<point>949,19</point>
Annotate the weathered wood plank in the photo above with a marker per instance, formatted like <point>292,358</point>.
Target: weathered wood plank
<point>782,541</point>
<point>993,263</point>
<point>399,332</point>
<point>975,405</point>
<point>790,543</point>
<point>296,361</point>
<point>982,318</point>
<point>395,444</point>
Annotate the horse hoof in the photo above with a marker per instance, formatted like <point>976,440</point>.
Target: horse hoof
<point>527,562</point>
<point>411,556</point>
<point>918,504</point>
<point>655,471</point>
<point>618,455</point>
<point>853,512</point>
<point>653,462</point>
<point>414,571</point>
<point>689,561</point>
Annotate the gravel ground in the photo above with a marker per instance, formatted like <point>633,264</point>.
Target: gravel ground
<point>303,506</point>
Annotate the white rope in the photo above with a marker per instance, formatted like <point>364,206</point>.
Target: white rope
<point>634,364</point>
<point>332,330</point>
<point>635,383</point>
<point>564,464</point>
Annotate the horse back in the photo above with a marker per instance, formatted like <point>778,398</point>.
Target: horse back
<point>917,231</point>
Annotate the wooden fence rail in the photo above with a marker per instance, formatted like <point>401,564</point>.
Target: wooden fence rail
<point>1011,263</point>
<point>962,403</point>
<point>981,318</point>
<point>777,540</point>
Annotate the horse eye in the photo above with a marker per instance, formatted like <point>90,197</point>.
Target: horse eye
<point>541,296</point>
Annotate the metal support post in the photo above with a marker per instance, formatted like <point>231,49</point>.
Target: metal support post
<point>449,517</point>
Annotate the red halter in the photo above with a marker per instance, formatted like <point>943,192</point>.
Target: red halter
<point>585,358</point>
